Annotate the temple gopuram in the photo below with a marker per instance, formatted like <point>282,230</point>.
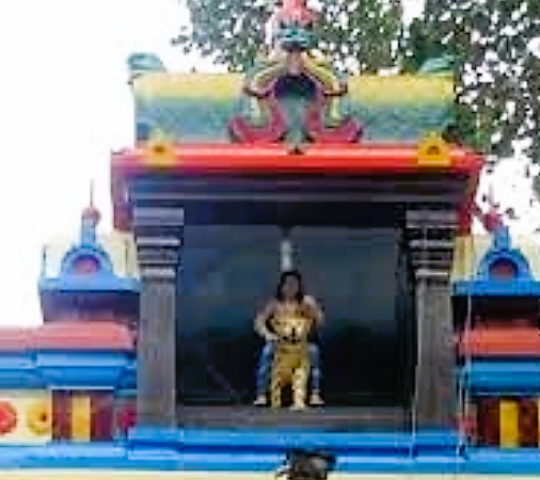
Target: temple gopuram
<point>291,287</point>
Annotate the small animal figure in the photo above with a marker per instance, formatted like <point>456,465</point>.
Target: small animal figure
<point>291,365</point>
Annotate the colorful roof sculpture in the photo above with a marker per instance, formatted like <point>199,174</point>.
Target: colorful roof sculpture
<point>94,274</point>
<point>87,266</point>
<point>291,94</point>
<point>292,114</point>
<point>502,271</point>
<point>197,108</point>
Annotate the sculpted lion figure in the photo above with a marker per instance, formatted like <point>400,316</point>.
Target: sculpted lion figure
<point>291,363</point>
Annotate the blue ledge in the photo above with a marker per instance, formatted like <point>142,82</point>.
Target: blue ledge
<point>94,283</point>
<point>502,377</point>
<point>73,370</point>
<point>378,444</point>
<point>497,288</point>
<point>356,453</point>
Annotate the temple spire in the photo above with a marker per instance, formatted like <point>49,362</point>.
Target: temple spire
<point>89,221</point>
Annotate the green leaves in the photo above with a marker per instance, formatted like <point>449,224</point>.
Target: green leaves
<point>231,31</point>
<point>498,83</point>
<point>360,35</point>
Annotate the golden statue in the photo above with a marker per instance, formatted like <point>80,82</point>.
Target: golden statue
<point>291,363</point>
<point>289,357</point>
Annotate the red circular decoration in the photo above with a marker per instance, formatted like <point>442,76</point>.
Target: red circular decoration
<point>126,418</point>
<point>8,418</point>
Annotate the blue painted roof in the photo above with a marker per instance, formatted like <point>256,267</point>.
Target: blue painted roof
<point>485,285</point>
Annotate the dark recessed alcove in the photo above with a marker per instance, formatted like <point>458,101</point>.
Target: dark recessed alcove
<point>359,275</point>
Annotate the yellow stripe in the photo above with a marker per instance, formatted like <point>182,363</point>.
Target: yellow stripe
<point>509,424</point>
<point>81,422</point>
<point>396,91</point>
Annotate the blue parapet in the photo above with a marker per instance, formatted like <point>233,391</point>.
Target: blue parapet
<point>67,370</point>
<point>497,288</point>
<point>520,283</point>
<point>219,454</point>
<point>99,282</point>
<point>499,378</point>
<point>251,442</point>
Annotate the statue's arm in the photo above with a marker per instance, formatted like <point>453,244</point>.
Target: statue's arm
<point>315,310</point>
<point>260,322</point>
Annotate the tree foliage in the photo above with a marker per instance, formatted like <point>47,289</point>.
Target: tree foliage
<point>360,35</point>
<point>498,79</point>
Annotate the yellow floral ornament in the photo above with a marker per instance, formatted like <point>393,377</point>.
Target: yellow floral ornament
<point>434,151</point>
<point>39,417</point>
<point>159,151</point>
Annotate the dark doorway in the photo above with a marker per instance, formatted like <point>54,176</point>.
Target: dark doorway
<point>228,272</point>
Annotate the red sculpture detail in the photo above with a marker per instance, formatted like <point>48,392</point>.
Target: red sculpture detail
<point>493,219</point>
<point>295,11</point>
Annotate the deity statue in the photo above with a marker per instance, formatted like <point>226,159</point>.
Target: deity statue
<point>289,357</point>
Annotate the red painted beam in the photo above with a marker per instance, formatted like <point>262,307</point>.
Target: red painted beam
<point>230,159</point>
<point>338,159</point>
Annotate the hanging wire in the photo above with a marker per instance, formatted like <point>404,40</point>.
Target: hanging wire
<point>464,395</point>
<point>417,369</point>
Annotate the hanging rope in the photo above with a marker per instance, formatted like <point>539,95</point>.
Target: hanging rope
<point>417,369</point>
<point>464,396</point>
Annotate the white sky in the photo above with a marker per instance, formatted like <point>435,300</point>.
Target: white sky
<point>64,105</point>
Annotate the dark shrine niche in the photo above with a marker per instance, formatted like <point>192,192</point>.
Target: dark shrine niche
<point>86,265</point>
<point>295,94</point>
<point>295,86</point>
<point>495,312</point>
<point>503,268</point>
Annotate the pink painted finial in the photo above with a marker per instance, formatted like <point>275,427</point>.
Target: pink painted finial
<point>297,11</point>
<point>91,212</point>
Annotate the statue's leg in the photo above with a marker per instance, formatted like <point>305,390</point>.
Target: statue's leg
<point>276,382</point>
<point>315,362</point>
<point>263,373</point>
<point>300,379</point>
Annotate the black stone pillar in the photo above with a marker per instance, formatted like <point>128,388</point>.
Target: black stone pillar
<point>158,238</point>
<point>436,394</point>
<point>156,354</point>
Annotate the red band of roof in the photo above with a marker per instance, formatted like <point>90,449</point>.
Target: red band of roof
<point>505,342</point>
<point>65,335</point>
<point>258,159</point>
<point>332,159</point>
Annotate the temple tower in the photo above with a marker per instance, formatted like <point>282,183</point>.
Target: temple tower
<point>496,309</point>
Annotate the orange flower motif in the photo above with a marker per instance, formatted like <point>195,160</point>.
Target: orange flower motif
<point>159,151</point>
<point>434,151</point>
